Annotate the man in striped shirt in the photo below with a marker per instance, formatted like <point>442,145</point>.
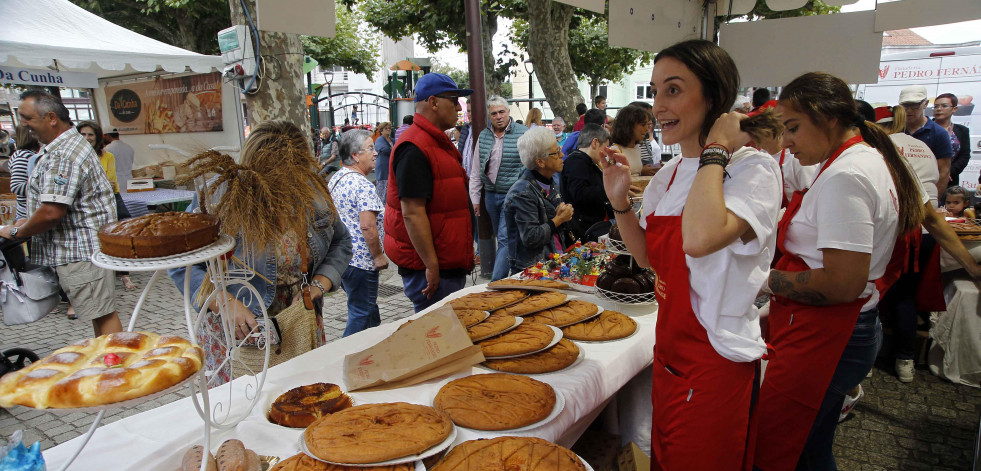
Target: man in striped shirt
<point>68,199</point>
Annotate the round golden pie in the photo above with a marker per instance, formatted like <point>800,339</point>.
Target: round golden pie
<point>609,325</point>
<point>566,314</point>
<point>509,453</point>
<point>508,283</point>
<point>559,356</point>
<point>495,324</point>
<point>470,317</point>
<point>102,370</point>
<point>526,338</point>
<point>488,300</point>
<point>372,433</point>
<point>495,401</point>
<point>300,406</point>
<point>534,303</point>
<point>302,462</point>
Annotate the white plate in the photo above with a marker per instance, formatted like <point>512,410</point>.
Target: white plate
<point>517,322</point>
<point>584,463</point>
<point>579,359</point>
<point>556,410</point>
<point>407,459</point>
<point>555,339</point>
<point>486,315</point>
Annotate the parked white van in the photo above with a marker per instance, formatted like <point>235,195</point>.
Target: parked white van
<point>941,70</point>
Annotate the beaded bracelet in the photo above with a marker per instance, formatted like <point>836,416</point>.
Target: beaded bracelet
<point>617,211</point>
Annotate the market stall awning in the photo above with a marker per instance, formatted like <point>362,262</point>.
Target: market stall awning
<point>58,34</point>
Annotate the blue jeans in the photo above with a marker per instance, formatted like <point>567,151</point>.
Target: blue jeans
<point>495,209</point>
<point>413,284</point>
<point>361,287</point>
<point>856,362</point>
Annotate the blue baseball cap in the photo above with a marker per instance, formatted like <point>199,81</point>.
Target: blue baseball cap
<point>438,84</point>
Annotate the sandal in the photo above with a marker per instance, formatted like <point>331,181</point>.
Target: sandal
<point>71,313</point>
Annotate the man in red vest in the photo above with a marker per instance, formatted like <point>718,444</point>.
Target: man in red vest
<point>428,229</point>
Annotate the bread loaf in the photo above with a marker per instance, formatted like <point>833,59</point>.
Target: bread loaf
<point>192,460</point>
<point>107,369</point>
<point>232,456</point>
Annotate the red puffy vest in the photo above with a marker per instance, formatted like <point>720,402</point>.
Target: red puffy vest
<point>448,210</point>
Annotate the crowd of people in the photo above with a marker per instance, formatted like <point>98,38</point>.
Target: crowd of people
<point>830,207</point>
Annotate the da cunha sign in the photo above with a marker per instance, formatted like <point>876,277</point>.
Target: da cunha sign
<point>47,78</point>
<point>191,103</point>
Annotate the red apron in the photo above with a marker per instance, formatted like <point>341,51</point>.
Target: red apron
<point>701,400</point>
<point>807,343</point>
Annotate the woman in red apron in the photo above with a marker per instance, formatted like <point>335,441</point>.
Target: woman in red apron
<point>710,261</point>
<point>837,238</point>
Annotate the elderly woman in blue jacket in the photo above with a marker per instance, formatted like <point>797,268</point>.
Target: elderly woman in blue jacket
<point>278,264</point>
<point>532,210</point>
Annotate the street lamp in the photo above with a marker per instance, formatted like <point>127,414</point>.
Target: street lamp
<point>328,79</point>
<point>530,68</point>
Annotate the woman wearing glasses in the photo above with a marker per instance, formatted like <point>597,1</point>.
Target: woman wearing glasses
<point>533,214</point>
<point>944,106</point>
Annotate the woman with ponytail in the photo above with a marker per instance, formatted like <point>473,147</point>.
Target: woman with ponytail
<point>837,238</point>
<point>708,230</point>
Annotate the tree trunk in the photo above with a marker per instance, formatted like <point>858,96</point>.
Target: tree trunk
<point>492,77</point>
<point>280,92</point>
<point>548,20</point>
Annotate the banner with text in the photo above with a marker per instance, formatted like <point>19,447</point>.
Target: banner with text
<point>47,78</point>
<point>167,105</point>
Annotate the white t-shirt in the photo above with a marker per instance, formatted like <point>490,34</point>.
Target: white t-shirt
<point>851,206</point>
<point>921,160</point>
<point>795,176</point>
<point>724,284</point>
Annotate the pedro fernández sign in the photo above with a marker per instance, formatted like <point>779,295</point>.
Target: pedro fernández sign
<point>48,78</point>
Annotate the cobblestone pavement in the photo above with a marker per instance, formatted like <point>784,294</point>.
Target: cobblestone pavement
<point>930,424</point>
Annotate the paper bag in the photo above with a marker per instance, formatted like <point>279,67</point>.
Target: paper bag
<point>433,345</point>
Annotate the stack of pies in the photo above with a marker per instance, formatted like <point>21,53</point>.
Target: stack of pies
<point>534,303</point>
<point>609,325</point>
<point>495,401</point>
<point>510,453</point>
<point>373,433</point>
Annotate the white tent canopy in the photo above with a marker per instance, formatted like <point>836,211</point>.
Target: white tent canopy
<point>59,35</point>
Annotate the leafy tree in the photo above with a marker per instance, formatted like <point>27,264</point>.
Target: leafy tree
<point>592,57</point>
<point>462,78</point>
<point>353,47</point>
<point>813,7</point>
<point>188,24</point>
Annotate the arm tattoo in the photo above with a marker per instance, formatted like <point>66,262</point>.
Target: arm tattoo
<point>797,289</point>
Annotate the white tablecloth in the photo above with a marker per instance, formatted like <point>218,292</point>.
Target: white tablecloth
<point>157,439</point>
<point>956,352</point>
<point>947,263</point>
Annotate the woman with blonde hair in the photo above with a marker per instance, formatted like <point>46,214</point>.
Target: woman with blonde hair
<point>283,219</point>
<point>534,118</point>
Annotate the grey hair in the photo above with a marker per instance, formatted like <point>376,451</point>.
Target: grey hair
<point>496,100</point>
<point>535,144</point>
<point>589,132</point>
<point>45,103</point>
<point>558,119</point>
<point>351,142</point>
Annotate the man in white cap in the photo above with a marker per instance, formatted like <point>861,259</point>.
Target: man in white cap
<point>914,100</point>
